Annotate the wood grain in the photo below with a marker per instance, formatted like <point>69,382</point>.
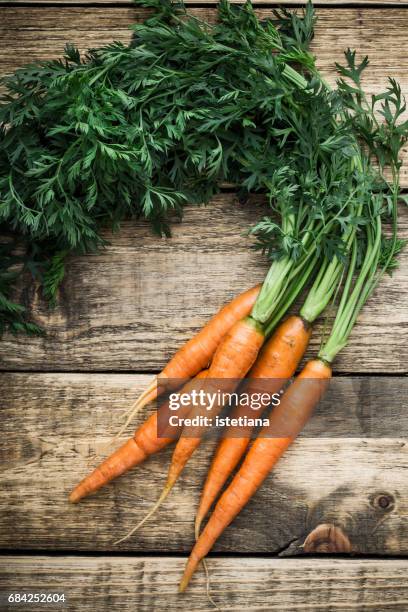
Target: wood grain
<point>150,584</point>
<point>133,305</point>
<point>130,307</point>
<point>54,423</point>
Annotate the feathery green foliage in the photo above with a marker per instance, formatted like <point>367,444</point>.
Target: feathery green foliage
<point>142,130</point>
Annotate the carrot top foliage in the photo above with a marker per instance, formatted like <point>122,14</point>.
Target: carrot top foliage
<point>142,130</point>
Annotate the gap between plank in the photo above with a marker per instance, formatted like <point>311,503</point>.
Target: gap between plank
<point>175,555</point>
<point>382,374</point>
<point>373,4</point>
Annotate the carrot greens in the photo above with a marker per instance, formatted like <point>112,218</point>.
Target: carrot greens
<point>141,130</point>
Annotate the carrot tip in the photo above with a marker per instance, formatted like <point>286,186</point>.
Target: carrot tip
<point>183,584</point>
<point>188,572</point>
<point>74,497</point>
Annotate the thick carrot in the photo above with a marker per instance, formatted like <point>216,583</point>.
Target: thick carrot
<point>235,355</point>
<point>277,362</point>
<point>197,353</point>
<point>144,443</point>
<point>286,421</point>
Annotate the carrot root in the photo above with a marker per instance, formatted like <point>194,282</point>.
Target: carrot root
<point>151,512</point>
<point>188,572</point>
<point>171,481</point>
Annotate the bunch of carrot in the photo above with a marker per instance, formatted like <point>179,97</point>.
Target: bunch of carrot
<point>330,201</point>
<point>235,344</point>
<point>229,346</point>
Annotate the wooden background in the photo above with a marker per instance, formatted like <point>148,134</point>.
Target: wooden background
<point>121,314</point>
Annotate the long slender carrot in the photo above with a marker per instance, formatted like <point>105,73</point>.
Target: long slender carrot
<point>277,362</point>
<point>196,354</point>
<point>235,355</point>
<point>288,418</point>
<point>144,443</point>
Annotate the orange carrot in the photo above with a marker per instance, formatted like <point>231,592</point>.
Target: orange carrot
<point>233,358</point>
<point>144,443</point>
<point>277,362</point>
<point>287,420</point>
<point>197,353</point>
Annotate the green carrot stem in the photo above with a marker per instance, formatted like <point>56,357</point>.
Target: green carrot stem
<point>291,294</point>
<point>271,289</point>
<point>353,300</point>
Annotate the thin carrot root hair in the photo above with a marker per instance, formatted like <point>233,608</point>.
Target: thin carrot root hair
<point>151,512</point>
<point>145,398</point>
<point>208,586</point>
<point>206,570</point>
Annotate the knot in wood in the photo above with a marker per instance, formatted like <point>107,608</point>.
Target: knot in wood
<point>383,501</point>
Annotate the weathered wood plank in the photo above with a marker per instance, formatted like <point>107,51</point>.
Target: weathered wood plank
<point>53,424</point>
<point>133,305</point>
<point>150,584</point>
